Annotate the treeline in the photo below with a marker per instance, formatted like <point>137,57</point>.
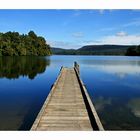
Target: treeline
<point>15,44</point>
<point>133,51</point>
<point>94,50</point>
<point>122,50</point>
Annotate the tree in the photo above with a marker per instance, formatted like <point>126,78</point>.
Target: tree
<point>133,51</point>
<point>12,43</point>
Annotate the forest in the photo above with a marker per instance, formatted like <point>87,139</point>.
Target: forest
<point>122,50</point>
<point>15,44</point>
<point>133,51</point>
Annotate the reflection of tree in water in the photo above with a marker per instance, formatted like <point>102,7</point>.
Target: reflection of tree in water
<point>13,67</point>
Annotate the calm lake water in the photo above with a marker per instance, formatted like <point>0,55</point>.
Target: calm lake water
<point>113,83</point>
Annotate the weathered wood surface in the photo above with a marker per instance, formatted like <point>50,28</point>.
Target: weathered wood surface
<point>64,108</point>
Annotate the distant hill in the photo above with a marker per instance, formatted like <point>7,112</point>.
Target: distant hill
<point>60,51</point>
<point>94,50</point>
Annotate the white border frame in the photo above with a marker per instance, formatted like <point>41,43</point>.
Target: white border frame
<point>69,4</point>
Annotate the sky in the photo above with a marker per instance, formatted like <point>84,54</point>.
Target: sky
<point>75,28</point>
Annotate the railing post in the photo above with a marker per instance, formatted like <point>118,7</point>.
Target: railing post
<point>76,66</point>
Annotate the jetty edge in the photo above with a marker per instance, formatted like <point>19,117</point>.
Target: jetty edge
<point>68,105</point>
<point>94,118</point>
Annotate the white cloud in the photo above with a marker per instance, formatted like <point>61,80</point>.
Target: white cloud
<point>77,13</point>
<point>121,38</point>
<point>108,29</point>
<point>134,22</point>
<point>101,11</point>
<point>63,44</point>
<point>78,34</point>
<point>121,34</point>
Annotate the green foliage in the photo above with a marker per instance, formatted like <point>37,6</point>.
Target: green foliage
<point>133,51</point>
<point>14,44</point>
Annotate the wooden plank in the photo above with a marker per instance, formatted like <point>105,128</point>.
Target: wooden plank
<point>65,108</point>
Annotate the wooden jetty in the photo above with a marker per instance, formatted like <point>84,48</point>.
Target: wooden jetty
<point>68,106</point>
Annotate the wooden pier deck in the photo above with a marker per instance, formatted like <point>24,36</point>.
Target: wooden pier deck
<point>66,108</point>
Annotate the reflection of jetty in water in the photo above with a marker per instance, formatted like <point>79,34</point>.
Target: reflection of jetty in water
<point>13,67</point>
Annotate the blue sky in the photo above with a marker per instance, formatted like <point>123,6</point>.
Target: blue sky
<point>75,28</point>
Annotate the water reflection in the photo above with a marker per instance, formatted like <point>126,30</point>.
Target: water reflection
<point>20,97</point>
<point>114,87</point>
<point>134,105</point>
<point>112,82</point>
<point>14,67</point>
<point>101,102</point>
<point>121,68</point>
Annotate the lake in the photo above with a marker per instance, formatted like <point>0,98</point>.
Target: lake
<point>113,83</point>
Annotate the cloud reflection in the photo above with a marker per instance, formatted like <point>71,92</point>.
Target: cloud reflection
<point>134,105</point>
<point>119,68</point>
<point>101,102</point>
